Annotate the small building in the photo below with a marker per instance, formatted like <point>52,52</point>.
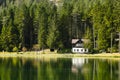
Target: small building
<point>78,46</point>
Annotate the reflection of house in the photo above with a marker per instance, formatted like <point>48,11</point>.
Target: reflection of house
<point>78,46</point>
<point>57,2</point>
<point>77,63</point>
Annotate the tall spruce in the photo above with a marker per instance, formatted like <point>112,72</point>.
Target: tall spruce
<point>53,32</point>
<point>28,25</point>
<point>42,19</point>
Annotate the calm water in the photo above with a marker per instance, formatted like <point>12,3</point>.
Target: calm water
<point>59,69</point>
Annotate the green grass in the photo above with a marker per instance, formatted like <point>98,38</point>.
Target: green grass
<point>56,55</point>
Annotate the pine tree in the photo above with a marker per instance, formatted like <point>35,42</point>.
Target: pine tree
<point>42,21</point>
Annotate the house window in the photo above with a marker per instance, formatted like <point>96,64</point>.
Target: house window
<point>86,50</point>
<point>77,50</point>
<point>74,50</point>
<point>81,50</point>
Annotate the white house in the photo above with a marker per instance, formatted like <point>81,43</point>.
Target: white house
<point>78,46</point>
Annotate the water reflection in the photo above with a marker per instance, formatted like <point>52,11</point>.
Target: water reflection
<point>77,63</point>
<point>59,69</point>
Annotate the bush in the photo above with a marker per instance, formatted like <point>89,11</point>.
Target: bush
<point>36,47</point>
<point>114,49</point>
<point>94,51</point>
<point>15,49</point>
<point>24,49</point>
<point>64,51</point>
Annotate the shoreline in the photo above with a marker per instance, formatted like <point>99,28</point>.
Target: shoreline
<point>56,55</point>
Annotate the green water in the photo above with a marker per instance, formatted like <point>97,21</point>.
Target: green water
<point>59,69</point>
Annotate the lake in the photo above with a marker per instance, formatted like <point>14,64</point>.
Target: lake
<point>59,69</point>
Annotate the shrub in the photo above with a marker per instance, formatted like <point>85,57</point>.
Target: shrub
<point>64,51</point>
<point>114,49</point>
<point>15,49</point>
<point>36,47</point>
<point>24,49</point>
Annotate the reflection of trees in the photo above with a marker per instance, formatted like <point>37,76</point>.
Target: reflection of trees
<point>54,70</point>
<point>100,70</point>
<point>13,69</point>
<point>30,69</point>
<point>59,69</point>
<point>119,70</point>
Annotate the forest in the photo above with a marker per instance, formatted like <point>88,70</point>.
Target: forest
<point>42,24</point>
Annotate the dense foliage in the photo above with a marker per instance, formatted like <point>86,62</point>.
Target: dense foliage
<point>24,23</point>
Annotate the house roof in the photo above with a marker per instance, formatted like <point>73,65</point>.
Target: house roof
<point>85,40</point>
<point>75,41</point>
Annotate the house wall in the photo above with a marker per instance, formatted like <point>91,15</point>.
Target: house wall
<point>79,50</point>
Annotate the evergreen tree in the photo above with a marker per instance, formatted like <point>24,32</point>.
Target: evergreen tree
<point>53,32</point>
<point>42,20</point>
<point>53,35</point>
<point>28,25</point>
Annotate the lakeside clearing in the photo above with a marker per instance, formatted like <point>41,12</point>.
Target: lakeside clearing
<point>56,55</point>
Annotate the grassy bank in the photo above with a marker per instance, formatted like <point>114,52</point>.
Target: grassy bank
<point>54,55</point>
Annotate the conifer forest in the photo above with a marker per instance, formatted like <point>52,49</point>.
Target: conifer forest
<point>53,23</point>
